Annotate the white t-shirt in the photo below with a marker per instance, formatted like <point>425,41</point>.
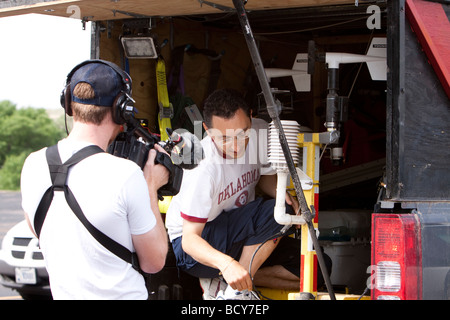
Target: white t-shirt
<point>113,195</point>
<point>218,184</point>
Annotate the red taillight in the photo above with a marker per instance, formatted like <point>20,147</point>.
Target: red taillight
<point>396,257</point>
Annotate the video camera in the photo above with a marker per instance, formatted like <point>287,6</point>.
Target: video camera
<point>135,142</point>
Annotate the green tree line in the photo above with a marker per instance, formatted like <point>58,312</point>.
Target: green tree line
<point>22,131</point>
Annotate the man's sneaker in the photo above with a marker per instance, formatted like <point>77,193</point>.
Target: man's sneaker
<point>231,294</point>
<point>211,287</point>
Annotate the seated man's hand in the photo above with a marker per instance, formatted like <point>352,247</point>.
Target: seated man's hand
<point>236,276</point>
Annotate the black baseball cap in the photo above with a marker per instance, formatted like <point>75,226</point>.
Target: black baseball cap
<point>104,80</point>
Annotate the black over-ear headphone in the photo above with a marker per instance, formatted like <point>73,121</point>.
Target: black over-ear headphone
<point>122,100</point>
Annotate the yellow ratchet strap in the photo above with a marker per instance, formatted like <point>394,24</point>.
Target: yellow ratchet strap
<point>164,116</point>
<point>165,107</point>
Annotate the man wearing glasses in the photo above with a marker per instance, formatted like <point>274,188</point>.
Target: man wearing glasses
<point>216,222</point>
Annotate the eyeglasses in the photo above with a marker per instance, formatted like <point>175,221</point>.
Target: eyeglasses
<point>242,135</point>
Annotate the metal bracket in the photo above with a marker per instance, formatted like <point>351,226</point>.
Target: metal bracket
<point>327,137</point>
<point>165,112</point>
<point>84,20</point>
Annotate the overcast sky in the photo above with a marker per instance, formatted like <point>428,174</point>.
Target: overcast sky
<point>36,54</point>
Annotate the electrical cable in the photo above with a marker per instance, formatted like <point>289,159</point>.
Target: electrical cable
<point>360,66</point>
<point>277,235</point>
<point>365,291</point>
<point>310,29</point>
<point>250,268</point>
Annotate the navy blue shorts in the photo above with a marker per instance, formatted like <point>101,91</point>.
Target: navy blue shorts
<point>230,232</point>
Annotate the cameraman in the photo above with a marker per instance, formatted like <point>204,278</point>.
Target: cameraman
<point>116,196</point>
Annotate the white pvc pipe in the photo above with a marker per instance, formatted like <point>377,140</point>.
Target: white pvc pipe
<point>280,215</point>
<point>334,59</point>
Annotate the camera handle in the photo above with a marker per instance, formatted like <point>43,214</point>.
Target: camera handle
<point>175,175</point>
<point>140,153</point>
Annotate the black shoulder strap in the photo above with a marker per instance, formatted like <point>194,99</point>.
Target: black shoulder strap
<point>58,173</point>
